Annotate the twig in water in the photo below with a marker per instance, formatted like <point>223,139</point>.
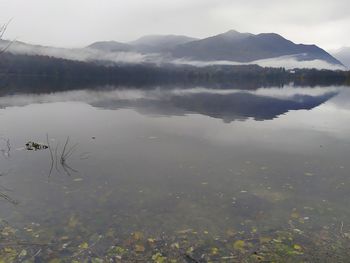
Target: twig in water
<point>6,151</point>
<point>341,228</point>
<point>56,157</point>
<point>63,160</point>
<point>9,199</point>
<point>66,153</point>
<point>51,154</point>
<point>6,173</point>
<point>22,243</point>
<point>189,258</point>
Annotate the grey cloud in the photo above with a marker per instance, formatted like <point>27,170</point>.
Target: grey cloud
<point>80,22</point>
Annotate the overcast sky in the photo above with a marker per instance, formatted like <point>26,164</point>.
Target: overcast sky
<point>75,23</point>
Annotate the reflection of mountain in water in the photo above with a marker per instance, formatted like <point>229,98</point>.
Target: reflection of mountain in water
<point>229,107</point>
<point>226,104</point>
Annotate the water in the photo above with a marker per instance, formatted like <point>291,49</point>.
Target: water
<point>199,174</point>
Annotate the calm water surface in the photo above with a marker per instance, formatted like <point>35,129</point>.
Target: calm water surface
<point>215,165</point>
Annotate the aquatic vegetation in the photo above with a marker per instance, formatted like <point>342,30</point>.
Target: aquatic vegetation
<point>35,146</point>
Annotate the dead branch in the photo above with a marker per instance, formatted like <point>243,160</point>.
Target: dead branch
<point>8,198</point>
<point>3,29</point>
<point>7,149</point>
<point>60,160</point>
<point>51,154</point>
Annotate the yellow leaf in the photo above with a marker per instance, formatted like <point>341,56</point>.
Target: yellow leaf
<point>239,245</point>
<point>214,251</point>
<point>138,235</point>
<point>297,247</point>
<point>190,250</point>
<point>151,240</point>
<point>139,248</point>
<point>295,215</point>
<point>265,239</point>
<point>9,250</point>
<point>84,245</point>
<point>231,232</point>
<point>73,222</point>
<point>175,245</point>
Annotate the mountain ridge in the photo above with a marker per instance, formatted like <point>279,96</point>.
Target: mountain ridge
<point>247,47</point>
<point>229,46</point>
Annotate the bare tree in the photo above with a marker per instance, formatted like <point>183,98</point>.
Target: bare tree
<point>3,29</point>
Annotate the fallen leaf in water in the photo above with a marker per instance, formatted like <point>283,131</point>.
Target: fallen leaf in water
<point>264,240</point>
<point>73,222</point>
<point>78,180</point>
<point>139,248</point>
<point>185,231</point>
<point>297,247</point>
<point>295,215</point>
<point>175,245</point>
<point>116,251</point>
<point>158,258</point>
<point>190,250</point>
<point>151,240</point>
<point>137,235</point>
<point>23,253</point>
<point>84,245</point>
<point>214,251</point>
<point>239,245</point>
<point>231,232</point>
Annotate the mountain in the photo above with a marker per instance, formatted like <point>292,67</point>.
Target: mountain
<point>111,46</point>
<point>160,43</point>
<point>145,44</point>
<point>343,55</point>
<point>246,47</point>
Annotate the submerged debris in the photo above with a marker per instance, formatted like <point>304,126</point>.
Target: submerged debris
<point>34,146</point>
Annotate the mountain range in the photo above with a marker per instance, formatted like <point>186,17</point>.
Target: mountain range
<point>230,46</point>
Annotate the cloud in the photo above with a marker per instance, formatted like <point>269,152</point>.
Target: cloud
<point>82,54</point>
<point>287,62</point>
<point>81,22</point>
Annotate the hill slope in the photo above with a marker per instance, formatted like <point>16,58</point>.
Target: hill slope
<point>246,47</point>
<point>343,55</point>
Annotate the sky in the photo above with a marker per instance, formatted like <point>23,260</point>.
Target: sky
<point>77,23</point>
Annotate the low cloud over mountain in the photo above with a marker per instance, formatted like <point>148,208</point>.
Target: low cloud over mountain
<point>230,48</point>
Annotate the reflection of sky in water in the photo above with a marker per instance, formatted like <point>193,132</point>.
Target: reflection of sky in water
<point>165,160</point>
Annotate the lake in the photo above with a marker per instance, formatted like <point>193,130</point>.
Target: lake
<point>176,174</point>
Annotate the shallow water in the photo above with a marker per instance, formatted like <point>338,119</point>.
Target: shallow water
<point>219,165</point>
